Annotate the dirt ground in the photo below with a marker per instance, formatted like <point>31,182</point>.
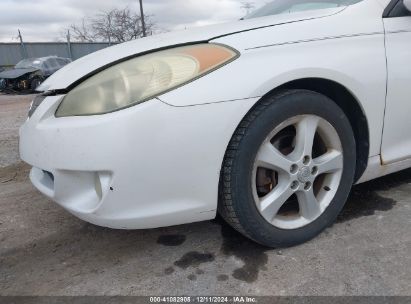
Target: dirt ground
<point>46,251</point>
<point>13,112</point>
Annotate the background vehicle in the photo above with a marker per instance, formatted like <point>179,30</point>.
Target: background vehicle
<point>28,74</point>
<point>276,115</point>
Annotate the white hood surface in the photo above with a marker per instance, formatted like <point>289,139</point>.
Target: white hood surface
<point>84,66</point>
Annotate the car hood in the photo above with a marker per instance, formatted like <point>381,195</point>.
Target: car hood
<point>16,73</point>
<point>81,68</point>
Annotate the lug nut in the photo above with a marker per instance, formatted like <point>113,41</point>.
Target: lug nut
<point>314,171</point>
<point>294,169</point>
<point>295,185</point>
<point>306,160</point>
<point>307,186</point>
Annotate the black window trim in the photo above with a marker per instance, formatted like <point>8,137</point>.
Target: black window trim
<point>389,9</point>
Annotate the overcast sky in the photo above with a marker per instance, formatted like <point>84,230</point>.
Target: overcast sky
<point>45,20</point>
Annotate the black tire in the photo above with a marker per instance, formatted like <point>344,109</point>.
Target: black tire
<point>236,202</point>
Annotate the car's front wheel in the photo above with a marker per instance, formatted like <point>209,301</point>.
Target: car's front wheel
<point>288,169</point>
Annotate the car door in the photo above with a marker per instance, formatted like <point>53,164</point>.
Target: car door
<point>396,143</point>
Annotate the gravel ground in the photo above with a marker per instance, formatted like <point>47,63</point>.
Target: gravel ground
<point>13,112</point>
<point>46,251</point>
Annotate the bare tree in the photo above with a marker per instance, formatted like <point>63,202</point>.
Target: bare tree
<point>117,25</point>
<point>82,32</point>
<point>247,6</point>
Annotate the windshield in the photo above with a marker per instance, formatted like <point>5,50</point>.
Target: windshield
<point>291,6</point>
<point>29,63</point>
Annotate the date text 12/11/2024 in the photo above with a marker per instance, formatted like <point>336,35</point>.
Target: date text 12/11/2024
<point>203,299</point>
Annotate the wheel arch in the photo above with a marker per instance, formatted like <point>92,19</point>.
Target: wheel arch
<point>351,106</point>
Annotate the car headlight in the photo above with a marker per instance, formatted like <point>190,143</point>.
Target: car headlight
<point>142,78</point>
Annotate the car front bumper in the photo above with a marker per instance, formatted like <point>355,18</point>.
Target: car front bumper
<point>148,166</point>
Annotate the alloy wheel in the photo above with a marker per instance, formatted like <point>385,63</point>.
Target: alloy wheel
<point>297,171</point>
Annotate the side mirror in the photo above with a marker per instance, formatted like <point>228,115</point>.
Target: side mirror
<point>407,4</point>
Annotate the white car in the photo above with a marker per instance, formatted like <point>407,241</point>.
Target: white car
<point>269,120</point>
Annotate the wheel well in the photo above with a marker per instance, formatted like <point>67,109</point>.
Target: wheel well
<point>349,104</point>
